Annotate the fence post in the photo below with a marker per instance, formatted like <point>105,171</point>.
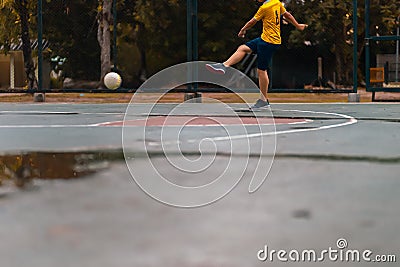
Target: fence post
<point>40,45</point>
<point>355,44</point>
<point>367,45</point>
<point>397,49</point>
<point>192,47</point>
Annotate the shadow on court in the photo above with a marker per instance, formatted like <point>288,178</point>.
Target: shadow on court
<point>68,198</point>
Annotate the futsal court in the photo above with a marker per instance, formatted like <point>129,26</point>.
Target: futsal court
<point>334,175</point>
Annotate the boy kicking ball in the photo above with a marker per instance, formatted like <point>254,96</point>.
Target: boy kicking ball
<point>270,14</point>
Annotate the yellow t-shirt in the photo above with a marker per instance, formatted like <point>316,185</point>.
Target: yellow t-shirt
<point>270,14</point>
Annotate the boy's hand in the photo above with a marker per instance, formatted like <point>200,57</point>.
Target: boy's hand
<point>242,33</point>
<point>301,27</point>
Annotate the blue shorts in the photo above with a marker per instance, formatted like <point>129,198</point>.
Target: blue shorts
<point>264,52</point>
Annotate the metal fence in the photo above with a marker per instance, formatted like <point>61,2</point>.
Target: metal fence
<point>370,41</point>
<point>69,61</point>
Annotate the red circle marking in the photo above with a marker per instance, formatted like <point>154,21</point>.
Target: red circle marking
<point>202,121</point>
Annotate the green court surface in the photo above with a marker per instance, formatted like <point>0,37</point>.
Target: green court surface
<point>334,177</point>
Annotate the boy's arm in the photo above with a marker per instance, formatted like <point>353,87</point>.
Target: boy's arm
<point>289,17</point>
<point>247,26</point>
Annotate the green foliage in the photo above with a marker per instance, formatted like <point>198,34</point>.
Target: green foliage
<point>161,30</point>
<point>152,34</point>
<point>9,21</point>
<point>331,27</point>
<point>219,24</point>
<point>70,27</point>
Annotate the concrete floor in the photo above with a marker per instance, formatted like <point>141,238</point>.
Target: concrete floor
<point>335,177</point>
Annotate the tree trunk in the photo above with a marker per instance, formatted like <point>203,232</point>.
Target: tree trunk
<point>104,37</point>
<point>22,8</point>
<point>142,50</point>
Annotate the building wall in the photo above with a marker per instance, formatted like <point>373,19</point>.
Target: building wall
<point>4,71</point>
<point>389,62</point>
<point>19,73</point>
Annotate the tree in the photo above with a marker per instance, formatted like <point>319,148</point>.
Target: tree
<point>159,28</point>
<point>71,29</point>
<point>219,24</point>
<point>22,7</point>
<point>8,18</point>
<point>104,21</point>
<point>66,24</point>
<point>331,27</point>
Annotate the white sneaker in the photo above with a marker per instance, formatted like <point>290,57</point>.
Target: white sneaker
<point>218,68</point>
<point>260,104</point>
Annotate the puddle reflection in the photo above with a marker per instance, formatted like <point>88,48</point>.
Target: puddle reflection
<point>22,169</point>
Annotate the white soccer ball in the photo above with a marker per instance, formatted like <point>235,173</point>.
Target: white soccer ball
<point>112,80</point>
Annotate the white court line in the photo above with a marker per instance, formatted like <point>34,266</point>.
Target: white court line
<point>21,112</point>
<point>255,185</point>
<point>351,120</point>
<point>108,124</point>
<point>49,126</point>
<point>33,112</point>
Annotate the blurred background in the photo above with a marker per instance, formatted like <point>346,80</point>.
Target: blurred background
<point>144,37</point>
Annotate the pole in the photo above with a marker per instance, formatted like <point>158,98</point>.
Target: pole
<point>367,45</point>
<point>397,49</point>
<point>355,44</point>
<point>195,26</point>
<point>189,28</point>
<point>40,45</point>
<point>189,41</point>
<point>192,44</point>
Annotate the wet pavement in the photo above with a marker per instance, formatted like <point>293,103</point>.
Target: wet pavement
<point>336,176</point>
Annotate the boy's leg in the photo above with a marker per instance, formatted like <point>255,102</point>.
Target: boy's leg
<point>238,55</point>
<point>263,82</point>
<point>249,47</point>
<point>265,53</point>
